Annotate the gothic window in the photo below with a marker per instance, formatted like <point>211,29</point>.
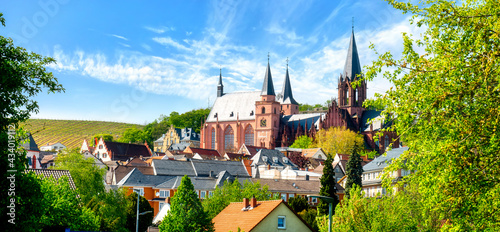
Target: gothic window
<point>263,110</point>
<point>274,110</point>
<point>356,96</point>
<point>229,138</point>
<point>386,141</point>
<point>213,138</point>
<point>249,135</point>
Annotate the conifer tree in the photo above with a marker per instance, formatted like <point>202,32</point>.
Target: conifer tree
<point>328,188</point>
<point>186,212</point>
<point>354,170</point>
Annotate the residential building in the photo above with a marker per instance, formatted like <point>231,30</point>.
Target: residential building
<point>53,147</point>
<point>269,164</point>
<point>371,179</point>
<point>203,154</point>
<point>252,215</point>
<point>115,151</point>
<point>175,136</point>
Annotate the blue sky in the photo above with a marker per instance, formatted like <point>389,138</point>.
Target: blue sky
<point>131,61</point>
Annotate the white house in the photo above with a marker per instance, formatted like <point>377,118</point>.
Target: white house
<point>53,147</point>
<point>33,153</point>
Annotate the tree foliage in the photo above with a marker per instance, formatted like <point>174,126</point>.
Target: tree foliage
<point>298,204</point>
<point>88,177</point>
<point>445,105</point>
<point>131,213</point>
<point>111,207</point>
<point>309,216</point>
<point>22,76</point>
<point>328,187</point>
<point>338,140</point>
<point>235,192</point>
<point>105,137</point>
<point>186,212</point>
<point>302,141</point>
<point>354,171</point>
<point>134,135</point>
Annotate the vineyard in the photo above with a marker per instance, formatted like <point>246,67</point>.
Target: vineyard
<point>71,133</point>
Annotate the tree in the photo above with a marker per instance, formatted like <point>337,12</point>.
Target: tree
<point>22,76</point>
<point>338,140</point>
<point>131,212</point>
<point>302,141</point>
<point>186,212</point>
<point>354,171</point>
<point>328,187</point>
<point>111,208</point>
<point>88,177</point>
<point>133,135</point>
<point>105,137</point>
<point>444,104</point>
<point>309,216</point>
<point>235,192</point>
<point>298,204</point>
<point>298,159</point>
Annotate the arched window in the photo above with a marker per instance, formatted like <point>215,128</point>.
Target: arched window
<point>263,110</point>
<point>356,96</point>
<point>274,110</point>
<point>249,135</point>
<point>229,138</point>
<point>346,95</point>
<point>386,141</point>
<point>213,138</point>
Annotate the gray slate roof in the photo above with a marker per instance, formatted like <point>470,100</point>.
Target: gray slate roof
<point>200,168</point>
<point>296,119</point>
<point>267,86</point>
<point>352,66</point>
<point>286,96</point>
<point>383,161</point>
<point>179,146</point>
<point>240,104</point>
<point>30,144</point>
<point>267,157</point>
<point>173,168</point>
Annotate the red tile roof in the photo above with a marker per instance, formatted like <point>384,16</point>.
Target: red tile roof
<point>123,151</point>
<point>233,217</point>
<point>201,151</point>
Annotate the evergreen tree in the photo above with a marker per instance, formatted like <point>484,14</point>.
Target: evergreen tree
<point>328,188</point>
<point>131,213</point>
<point>186,212</point>
<point>354,170</point>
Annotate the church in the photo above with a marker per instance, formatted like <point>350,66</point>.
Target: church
<point>266,119</point>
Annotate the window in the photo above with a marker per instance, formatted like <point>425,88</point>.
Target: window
<point>283,196</point>
<point>161,205</point>
<point>314,200</point>
<point>285,160</point>
<point>213,138</point>
<point>249,135</point>
<point>291,194</point>
<point>263,110</point>
<point>229,138</point>
<point>275,159</point>
<point>203,194</point>
<point>100,146</point>
<point>164,193</point>
<point>105,155</point>
<point>197,193</point>
<point>274,110</point>
<point>210,194</point>
<point>386,141</point>
<point>140,190</point>
<point>281,222</point>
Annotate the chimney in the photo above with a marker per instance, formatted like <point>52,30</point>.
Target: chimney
<point>253,202</point>
<point>245,203</point>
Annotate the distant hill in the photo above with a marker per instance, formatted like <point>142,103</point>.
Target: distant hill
<point>72,132</point>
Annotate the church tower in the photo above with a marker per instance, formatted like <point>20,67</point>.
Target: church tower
<point>267,113</point>
<point>288,104</point>
<point>220,87</point>
<point>350,97</point>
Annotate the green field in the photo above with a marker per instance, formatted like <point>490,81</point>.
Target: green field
<point>71,133</point>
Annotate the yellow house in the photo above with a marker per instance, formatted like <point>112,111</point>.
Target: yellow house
<point>252,215</point>
<point>177,136</point>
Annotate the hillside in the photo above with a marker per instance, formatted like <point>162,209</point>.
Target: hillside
<point>72,132</point>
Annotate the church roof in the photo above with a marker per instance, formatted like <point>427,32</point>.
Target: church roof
<point>352,66</point>
<point>268,87</point>
<point>231,106</point>
<point>286,95</point>
<point>30,144</point>
<point>296,119</point>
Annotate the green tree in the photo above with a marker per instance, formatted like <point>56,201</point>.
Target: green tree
<point>338,140</point>
<point>235,192</point>
<point>88,177</point>
<point>105,137</point>
<point>354,171</point>
<point>444,104</point>
<point>134,135</point>
<point>328,187</point>
<point>309,216</point>
<point>302,141</point>
<point>111,207</point>
<point>298,204</point>
<point>22,76</point>
<point>131,212</point>
<point>186,212</point>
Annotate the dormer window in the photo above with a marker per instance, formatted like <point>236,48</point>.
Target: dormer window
<point>285,160</point>
<point>264,158</point>
<point>231,114</point>
<point>215,115</point>
<point>251,113</point>
<point>275,159</point>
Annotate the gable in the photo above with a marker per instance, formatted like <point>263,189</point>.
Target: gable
<point>231,106</point>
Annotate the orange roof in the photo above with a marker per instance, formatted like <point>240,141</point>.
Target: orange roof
<point>233,217</point>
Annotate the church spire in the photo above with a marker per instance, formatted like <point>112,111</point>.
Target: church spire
<point>220,86</point>
<point>287,89</point>
<point>268,87</point>
<point>352,66</point>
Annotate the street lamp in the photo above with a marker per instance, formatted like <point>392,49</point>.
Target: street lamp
<point>138,191</point>
<point>330,201</point>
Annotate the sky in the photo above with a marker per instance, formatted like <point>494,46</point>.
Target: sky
<point>133,61</point>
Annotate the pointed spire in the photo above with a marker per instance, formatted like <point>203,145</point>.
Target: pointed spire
<point>352,66</point>
<point>220,86</point>
<point>268,87</point>
<point>286,93</point>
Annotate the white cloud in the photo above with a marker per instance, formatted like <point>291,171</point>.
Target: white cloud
<point>167,41</point>
<point>119,37</point>
<point>188,33</point>
<point>145,46</point>
<point>159,30</point>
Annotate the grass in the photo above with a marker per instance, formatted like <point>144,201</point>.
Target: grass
<point>71,133</point>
